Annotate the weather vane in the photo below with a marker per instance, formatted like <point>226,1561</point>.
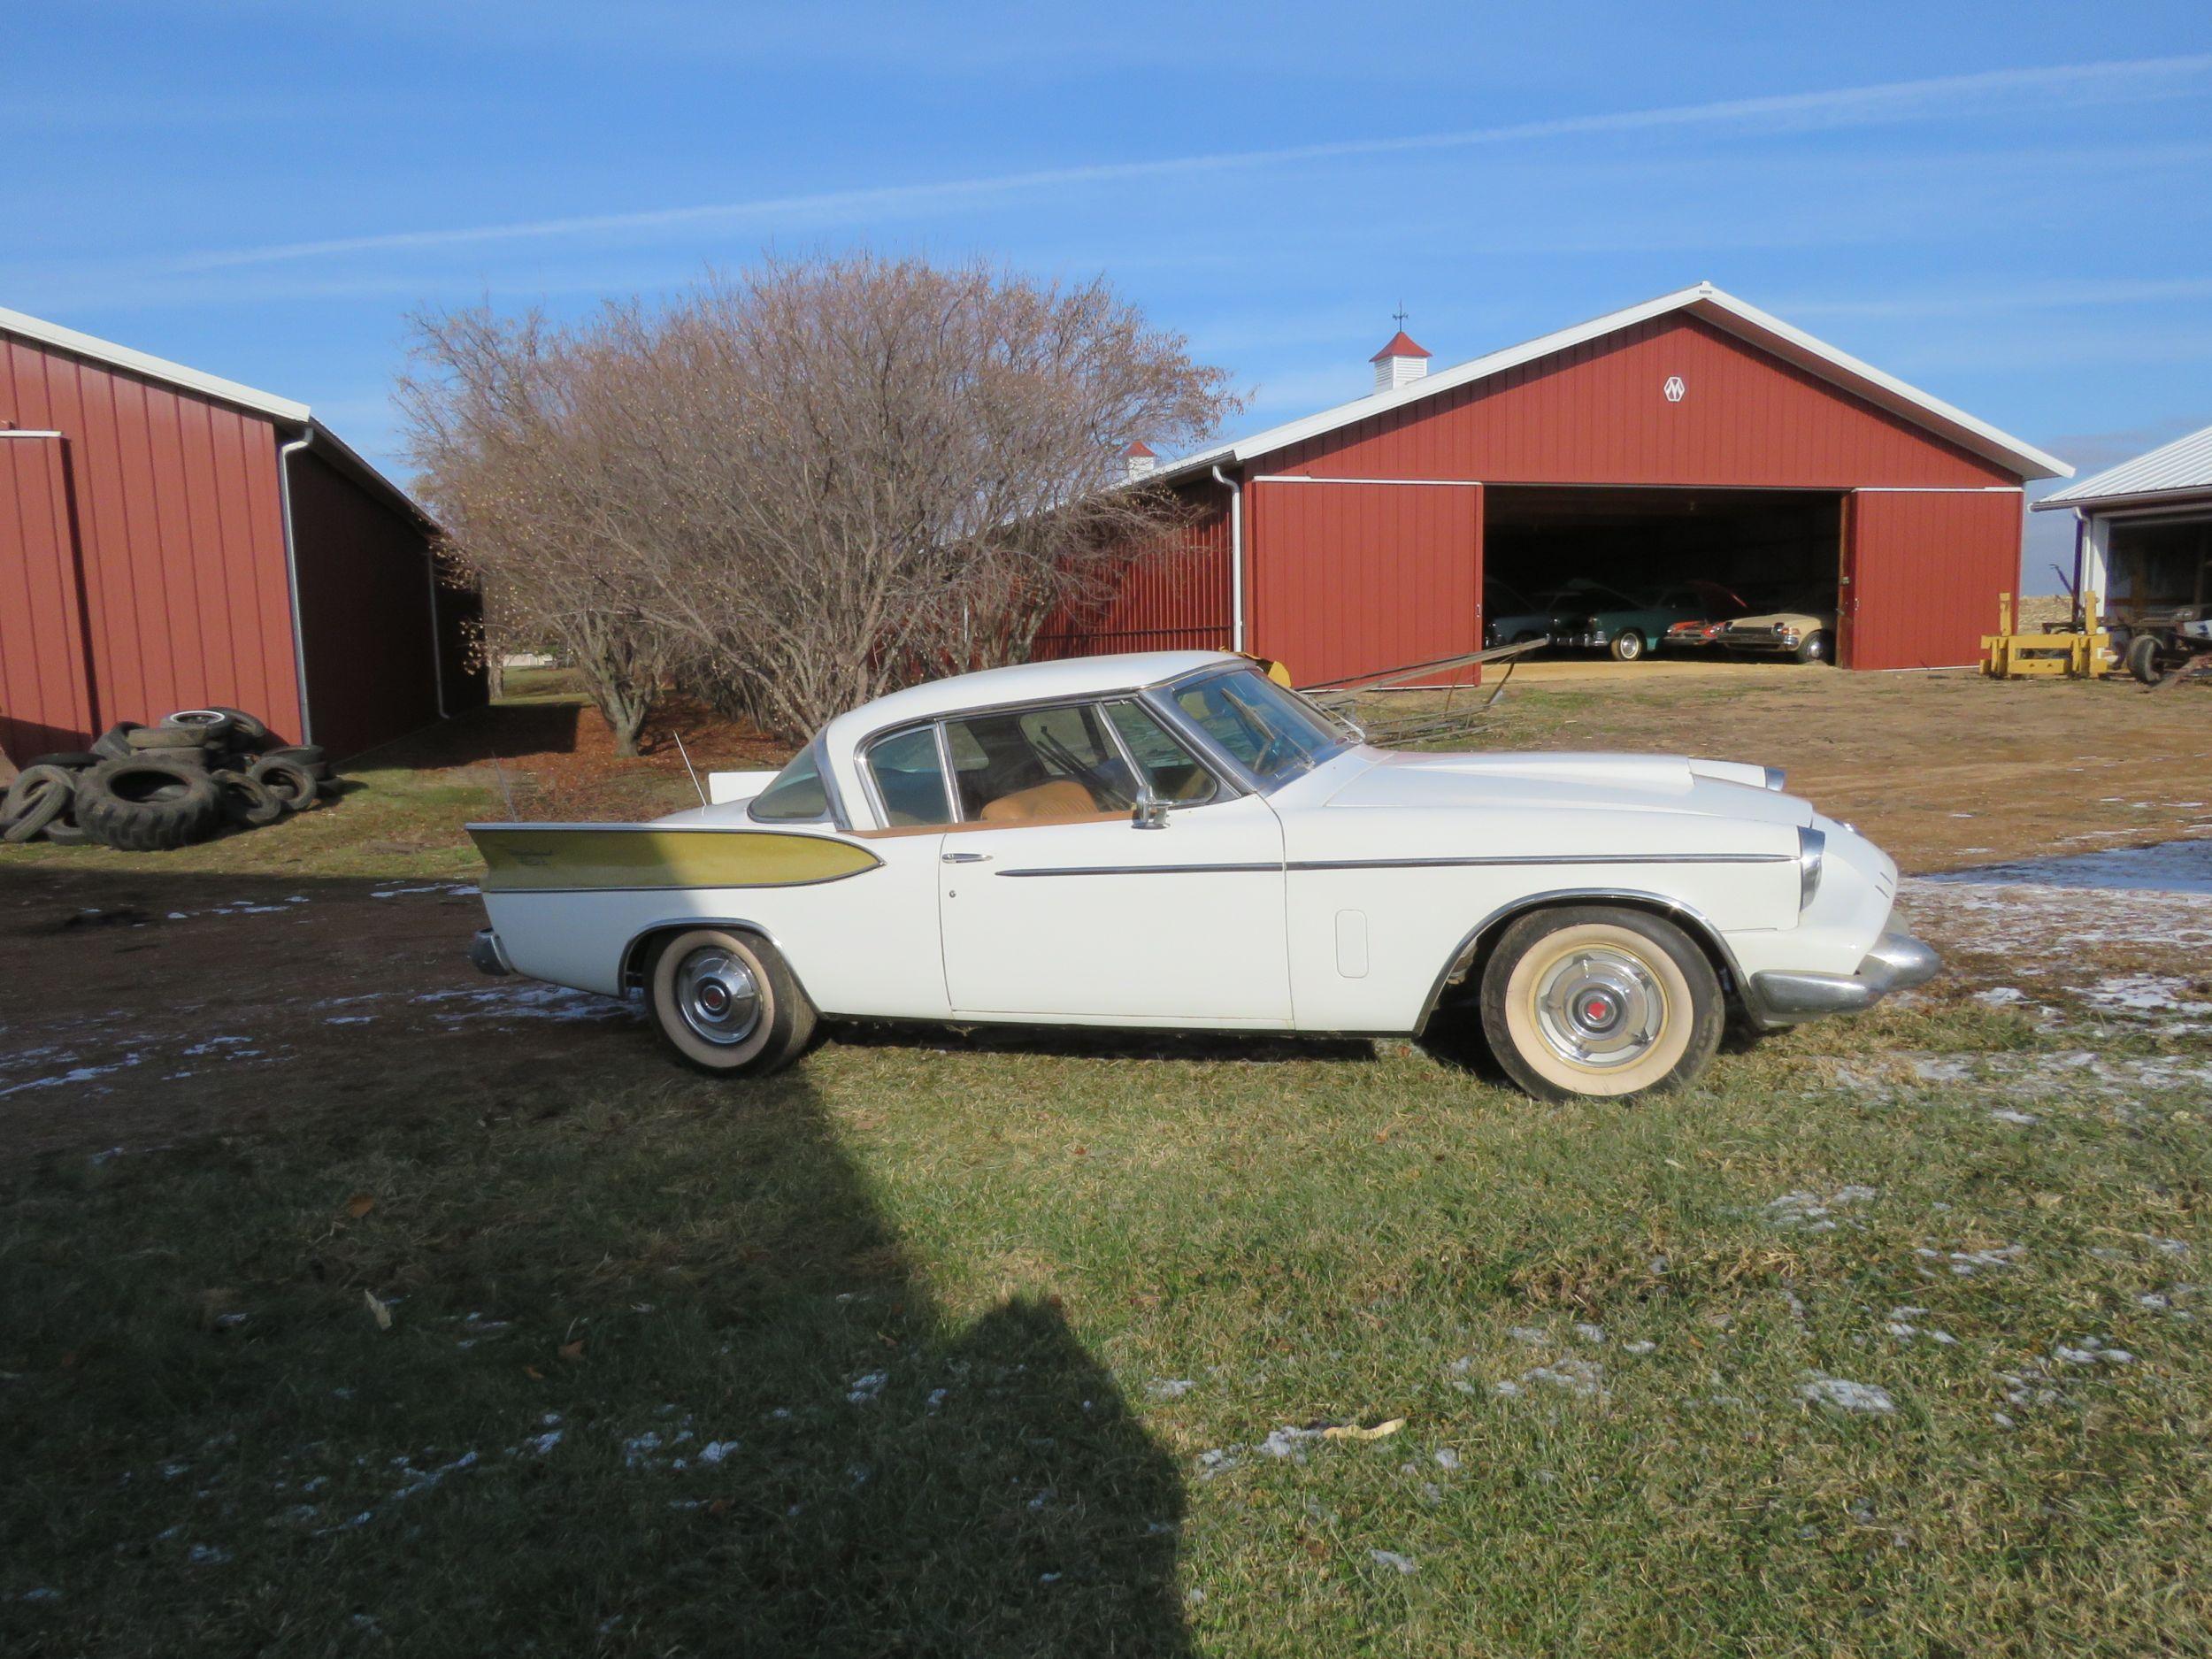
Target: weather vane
<point>1399,316</point>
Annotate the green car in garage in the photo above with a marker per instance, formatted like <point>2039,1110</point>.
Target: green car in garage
<point>1629,628</point>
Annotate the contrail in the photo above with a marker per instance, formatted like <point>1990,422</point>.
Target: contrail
<point>1943,95</point>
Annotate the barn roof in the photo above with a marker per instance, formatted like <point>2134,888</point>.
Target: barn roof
<point>1708,304</point>
<point>2183,468</point>
<point>148,366</point>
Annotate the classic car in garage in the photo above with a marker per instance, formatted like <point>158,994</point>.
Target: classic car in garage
<point>1177,841</point>
<point>1631,629</point>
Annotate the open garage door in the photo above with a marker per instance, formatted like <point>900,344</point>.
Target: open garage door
<point>1656,554</point>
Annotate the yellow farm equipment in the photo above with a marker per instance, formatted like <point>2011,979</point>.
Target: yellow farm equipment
<point>2081,653</point>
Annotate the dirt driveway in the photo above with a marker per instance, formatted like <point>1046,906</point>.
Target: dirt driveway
<point>145,1008</point>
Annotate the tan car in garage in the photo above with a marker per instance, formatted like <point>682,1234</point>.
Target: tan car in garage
<point>1804,636</point>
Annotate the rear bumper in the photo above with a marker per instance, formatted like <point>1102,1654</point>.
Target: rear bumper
<point>1897,962</point>
<point>488,955</point>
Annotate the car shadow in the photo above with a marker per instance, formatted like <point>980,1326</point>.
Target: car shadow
<point>1101,1043</point>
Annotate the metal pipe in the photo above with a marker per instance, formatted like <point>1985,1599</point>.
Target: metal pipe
<point>1236,558</point>
<point>437,636</point>
<point>285,452</point>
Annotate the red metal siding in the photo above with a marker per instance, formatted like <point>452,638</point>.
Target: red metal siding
<point>1925,570</point>
<point>1595,414</point>
<point>45,699</point>
<point>178,538</point>
<point>1173,599</point>
<point>372,640</point>
<point>1353,578</point>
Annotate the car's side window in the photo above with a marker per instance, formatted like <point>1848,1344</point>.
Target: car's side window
<point>909,777</point>
<point>1029,764</point>
<point>1174,773</point>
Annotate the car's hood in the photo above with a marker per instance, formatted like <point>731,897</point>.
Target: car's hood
<point>1779,618</point>
<point>1628,783</point>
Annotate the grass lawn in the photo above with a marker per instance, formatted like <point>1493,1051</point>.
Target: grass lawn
<point>1884,1339</point>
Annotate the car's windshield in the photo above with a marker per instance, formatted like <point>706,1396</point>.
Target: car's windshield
<point>1274,733</point>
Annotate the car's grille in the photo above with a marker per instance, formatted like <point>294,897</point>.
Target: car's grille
<point>1734,632</point>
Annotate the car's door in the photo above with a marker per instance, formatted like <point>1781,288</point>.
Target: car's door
<point>1054,904</point>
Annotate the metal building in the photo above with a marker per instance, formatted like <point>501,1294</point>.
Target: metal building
<point>1692,437</point>
<point>170,540</point>
<point>2143,529</point>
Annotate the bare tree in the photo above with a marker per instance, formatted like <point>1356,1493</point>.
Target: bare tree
<point>803,485</point>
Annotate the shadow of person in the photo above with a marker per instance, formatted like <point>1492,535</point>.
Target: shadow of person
<point>909,1483</point>
<point>661,1372</point>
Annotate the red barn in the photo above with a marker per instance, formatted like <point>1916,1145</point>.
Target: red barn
<point>169,540</point>
<point>1691,438</point>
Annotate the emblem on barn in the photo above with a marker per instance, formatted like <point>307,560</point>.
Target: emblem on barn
<point>1674,391</point>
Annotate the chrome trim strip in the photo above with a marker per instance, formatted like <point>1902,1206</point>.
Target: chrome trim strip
<point>1519,859</point>
<point>1149,870</point>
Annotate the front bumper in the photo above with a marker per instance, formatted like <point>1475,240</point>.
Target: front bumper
<point>1897,962</point>
<point>488,955</point>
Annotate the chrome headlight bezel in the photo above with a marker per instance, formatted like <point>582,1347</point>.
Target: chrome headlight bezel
<point>1812,853</point>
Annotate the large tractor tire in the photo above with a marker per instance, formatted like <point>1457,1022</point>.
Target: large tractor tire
<point>39,798</point>
<point>149,803</point>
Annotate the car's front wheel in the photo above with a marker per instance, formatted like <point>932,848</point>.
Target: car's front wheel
<point>1628,646</point>
<point>1818,647</point>
<point>1591,1000</point>
<point>726,1003</point>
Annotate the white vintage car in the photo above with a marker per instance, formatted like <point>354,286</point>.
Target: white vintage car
<point>1175,841</point>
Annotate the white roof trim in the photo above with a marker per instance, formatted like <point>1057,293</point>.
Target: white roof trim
<point>1710,304</point>
<point>44,333</point>
<point>2180,467</point>
<point>152,367</point>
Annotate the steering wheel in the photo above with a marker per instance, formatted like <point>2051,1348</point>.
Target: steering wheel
<point>1278,748</point>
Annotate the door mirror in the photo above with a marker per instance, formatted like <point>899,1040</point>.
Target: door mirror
<point>1150,812</point>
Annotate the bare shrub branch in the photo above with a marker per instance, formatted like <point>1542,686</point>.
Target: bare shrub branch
<point>794,489</point>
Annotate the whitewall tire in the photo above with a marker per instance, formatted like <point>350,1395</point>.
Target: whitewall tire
<point>726,1003</point>
<point>1592,1000</point>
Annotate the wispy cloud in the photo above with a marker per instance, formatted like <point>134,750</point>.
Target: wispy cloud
<point>1941,97</point>
<point>1996,297</point>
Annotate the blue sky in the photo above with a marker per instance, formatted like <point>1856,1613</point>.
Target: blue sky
<point>2005,204</point>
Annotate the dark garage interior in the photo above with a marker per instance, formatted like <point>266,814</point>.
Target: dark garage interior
<point>1775,549</point>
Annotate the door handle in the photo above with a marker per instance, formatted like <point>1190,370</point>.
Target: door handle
<point>964,859</point>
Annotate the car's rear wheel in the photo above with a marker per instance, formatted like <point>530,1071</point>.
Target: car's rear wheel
<point>1628,646</point>
<point>1591,1000</point>
<point>726,1003</point>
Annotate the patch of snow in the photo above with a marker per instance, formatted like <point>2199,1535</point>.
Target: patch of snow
<point>864,1389</point>
<point>1392,1559</point>
<point>1845,1396</point>
<point>1167,1387</point>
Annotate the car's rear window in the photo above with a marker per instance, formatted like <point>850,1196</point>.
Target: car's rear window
<point>798,796</point>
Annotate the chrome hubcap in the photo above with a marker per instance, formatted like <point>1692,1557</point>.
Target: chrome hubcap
<point>1601,1008</point>
<point>717,995</point>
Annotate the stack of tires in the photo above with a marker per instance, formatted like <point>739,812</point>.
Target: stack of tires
<point>152,788</point>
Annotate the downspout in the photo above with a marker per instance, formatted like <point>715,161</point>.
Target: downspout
<point>285,452</point>
<point>1236,558</point>
<point>437,635</point>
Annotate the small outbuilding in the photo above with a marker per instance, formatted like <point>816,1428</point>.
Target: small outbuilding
<point>169,540</point>
<point>1693,439</point>
<point>2143,530</point>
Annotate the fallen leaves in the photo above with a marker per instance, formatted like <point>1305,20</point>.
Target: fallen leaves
<point>360,1204</point>
<point>380,1311</point>
<point>573,1352</point>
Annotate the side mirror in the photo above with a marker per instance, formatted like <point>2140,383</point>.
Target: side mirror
<point>1150,812</point>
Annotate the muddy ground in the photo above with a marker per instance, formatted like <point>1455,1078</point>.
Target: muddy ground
<point>147,1001</point>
